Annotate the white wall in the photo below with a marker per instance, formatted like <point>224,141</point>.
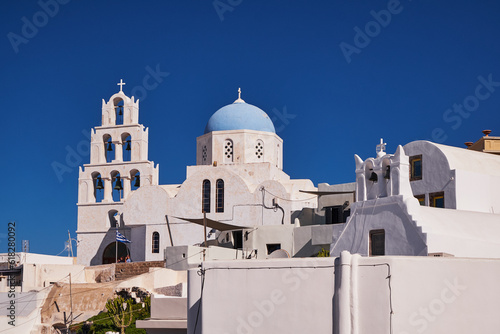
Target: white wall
<point>42,275</point>
<point>263,296</point>
<point>350,294</point>
<point>427,294</point>
<point>22,258</point>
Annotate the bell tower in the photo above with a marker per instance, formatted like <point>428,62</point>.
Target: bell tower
<point>118,166</point>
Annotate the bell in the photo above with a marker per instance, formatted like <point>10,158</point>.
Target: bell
<point>118,184</point>
<point>137,181</point>
<point>99,184</point>
<point>110,148</point>
<point>120,111</point>
<point>387,174</point>
<point>128,145</point>
<point>373,177</point>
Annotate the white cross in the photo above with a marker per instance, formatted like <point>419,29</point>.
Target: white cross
<point>121,84</point>
<point>381,146</point>
<point>239,93</point>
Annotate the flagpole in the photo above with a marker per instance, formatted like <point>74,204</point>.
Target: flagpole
<point>116,247</point>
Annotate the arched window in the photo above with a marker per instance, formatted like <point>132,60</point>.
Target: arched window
<point>98,187</point>
<point>109,148</point>
<point>259,149</point>
<point>119,111</point>
<point>117,186</point>
<point>114,218</point>
<point>205,196</point>
<point>219,196</point>
<point>228,150</point>
<point>126,147</point>
<point>156,242</point>
<point>135,179</point>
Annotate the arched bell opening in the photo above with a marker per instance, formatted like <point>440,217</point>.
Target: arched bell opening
<point>98,187</point>
<point>110,254</point>
<point>119,111</point>
<point>386,169</point>
<point>109,148</point>
<point>135,179</point>
<point>117,186</point>
<point>370,173</point>
<point>127,146</point>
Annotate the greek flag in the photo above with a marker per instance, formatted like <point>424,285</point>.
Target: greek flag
<point>121,238</point>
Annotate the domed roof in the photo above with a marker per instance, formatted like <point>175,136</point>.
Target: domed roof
<point>240,116</point>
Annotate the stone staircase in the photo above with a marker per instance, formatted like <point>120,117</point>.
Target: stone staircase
<point>127,270</point>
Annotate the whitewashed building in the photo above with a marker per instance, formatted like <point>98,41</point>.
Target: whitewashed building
<point>458,215</point>
<point>238,180</point>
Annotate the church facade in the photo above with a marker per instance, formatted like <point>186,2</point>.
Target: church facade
<point>238,180</point>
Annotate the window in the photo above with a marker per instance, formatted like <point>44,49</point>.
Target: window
<point>272,247</point>
<point>204,153</point>
<point>219,196</point>
<point>156,242</point>
<point>114,218</point>
<point>377,242</point>
<point>228,150</point>
<point>334,214</point>
<point>205,205</point>
<point>259,149</point>
<point>416,167</point>
<point>437,199</point>
<point>421,199</point>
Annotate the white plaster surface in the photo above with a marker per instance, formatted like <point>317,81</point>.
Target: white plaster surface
<point>350,294</point>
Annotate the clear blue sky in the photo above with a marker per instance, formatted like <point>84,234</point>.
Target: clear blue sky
<point>403,74</point>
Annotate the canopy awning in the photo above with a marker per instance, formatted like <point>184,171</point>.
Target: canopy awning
<point>213,224</point>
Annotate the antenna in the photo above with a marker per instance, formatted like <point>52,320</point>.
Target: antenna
<point>70,246</point>
<point>26,246</point>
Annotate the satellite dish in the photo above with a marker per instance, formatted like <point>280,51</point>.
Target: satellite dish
<point>279,254</point>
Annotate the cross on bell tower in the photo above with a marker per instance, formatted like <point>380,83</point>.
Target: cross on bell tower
<point>121,83</point>
<point>381,148</point>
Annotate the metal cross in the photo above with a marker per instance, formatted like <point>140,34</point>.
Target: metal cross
<point>121,83</point>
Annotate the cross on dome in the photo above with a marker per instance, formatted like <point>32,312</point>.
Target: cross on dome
<point>239,100</point>
<point>121,83</point>
<point>381,147</point>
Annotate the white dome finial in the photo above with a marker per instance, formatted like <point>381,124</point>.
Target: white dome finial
<point>239,100</point>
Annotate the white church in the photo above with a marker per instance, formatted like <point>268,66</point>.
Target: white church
<point>238,180</point>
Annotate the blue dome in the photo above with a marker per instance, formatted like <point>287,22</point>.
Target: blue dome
<point>239,116</point>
